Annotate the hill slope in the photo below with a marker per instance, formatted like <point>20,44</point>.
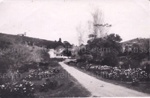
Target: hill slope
<point>7,39</point>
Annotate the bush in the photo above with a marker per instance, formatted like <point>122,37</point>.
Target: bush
<point>146,66</point>
<point>49,84</point>
<point>4,65</point>
<point>20,58</point>
<point>57,59</point>
<point>40,74</point>
<point>27,67</point>
<point>16,55</point>
<point>53,63</point>
<point>23,89</point>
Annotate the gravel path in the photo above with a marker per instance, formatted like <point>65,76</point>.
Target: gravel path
<point>100,88</point>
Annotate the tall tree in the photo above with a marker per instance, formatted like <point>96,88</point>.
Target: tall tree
<point>80,34</point>
<point>105,50</point>
<point>98,26</point>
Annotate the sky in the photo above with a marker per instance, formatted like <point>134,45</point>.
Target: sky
<point>54,19</point>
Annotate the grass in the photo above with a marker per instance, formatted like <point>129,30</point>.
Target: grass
<point>68,87</point>
<point>143,87</point>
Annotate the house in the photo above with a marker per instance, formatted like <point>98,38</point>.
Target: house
<point>52,53</point>
<point>57,52</point>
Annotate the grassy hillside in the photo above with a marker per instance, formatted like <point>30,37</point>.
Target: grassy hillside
<point>139,41</point>
<point>7,39</point>
<point>17,51</point>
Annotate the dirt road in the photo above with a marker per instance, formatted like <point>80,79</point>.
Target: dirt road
<point>100,88</point>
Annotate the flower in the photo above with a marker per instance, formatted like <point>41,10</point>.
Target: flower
<point>32,88</point>
<point>31,84</point>
<point>2,86</point>
<point>24,88</point>
<point>15,89</point>
<point>30,76</point>
<point>20,85</point>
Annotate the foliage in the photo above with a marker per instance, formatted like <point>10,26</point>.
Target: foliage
<point>49,84</point>
<point>134,75</point>
<point>67,52</point>
<point>21,58</point>
<point>105,50</point>
<point>138,52</point>
<point>28,66</point>
<point>4,64</point>
<point>15,56</point>
<point>40,74</point>
<point>110,59</point>
<point>146,66</point>
<point>23,89</point>
<point>54,61</point>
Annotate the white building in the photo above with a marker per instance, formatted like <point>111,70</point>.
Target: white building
<point>57,53</point>
<point>52,53</point>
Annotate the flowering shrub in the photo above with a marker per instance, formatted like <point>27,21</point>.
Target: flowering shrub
<point>39,74</point>
<point>23,89</point>
<point>127,75</point>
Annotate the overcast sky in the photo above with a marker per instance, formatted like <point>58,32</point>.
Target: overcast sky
<point>54,19</point>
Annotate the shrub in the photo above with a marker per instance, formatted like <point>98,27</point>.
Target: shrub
<point>49,84</point>
<point>21,57</point>
<point>23,89</point>
<point>28,66</point>
<point>146,66</point>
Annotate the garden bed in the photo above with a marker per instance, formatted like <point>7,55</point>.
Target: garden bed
<point>52,81</point>
<point>143,86</point>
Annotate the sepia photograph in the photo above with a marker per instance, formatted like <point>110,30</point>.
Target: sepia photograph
<point>74,48</point>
